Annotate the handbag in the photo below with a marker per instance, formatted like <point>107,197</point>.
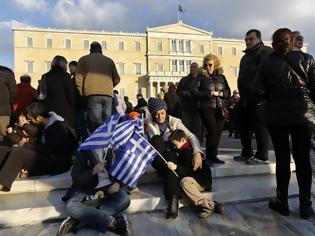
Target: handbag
<point>225,113</point>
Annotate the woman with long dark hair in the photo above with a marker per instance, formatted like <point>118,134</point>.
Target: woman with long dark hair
<point>286,82</point>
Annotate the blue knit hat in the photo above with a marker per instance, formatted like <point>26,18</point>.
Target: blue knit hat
<point>156,104</point>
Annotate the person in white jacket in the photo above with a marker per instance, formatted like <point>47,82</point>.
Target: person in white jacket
<point>158,127</point>
<point>119,101</point>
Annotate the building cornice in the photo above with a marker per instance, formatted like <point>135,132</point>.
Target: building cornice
<point>78,31</point>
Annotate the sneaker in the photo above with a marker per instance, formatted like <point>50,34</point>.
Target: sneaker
<point>256,161</point>
<point>240,158</point>
<point>205,210</point>
<point>218,208</point>
<point>278,206</point>
<point>67,226</point>
<point>122,226</point>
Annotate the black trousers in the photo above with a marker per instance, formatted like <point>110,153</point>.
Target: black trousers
<point>14,159</point>
<point>250,120</point>
<point>301,143</point>
<point>213,121</point>
<point>171,182</point>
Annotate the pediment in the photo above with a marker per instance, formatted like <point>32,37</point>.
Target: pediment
<point>179,28</point>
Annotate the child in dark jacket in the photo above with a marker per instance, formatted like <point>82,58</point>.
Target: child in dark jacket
<point>193,182</point>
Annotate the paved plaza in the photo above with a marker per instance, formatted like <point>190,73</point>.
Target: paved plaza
<point>244,190</point>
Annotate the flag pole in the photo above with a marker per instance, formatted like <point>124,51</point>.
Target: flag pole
<point>177,15</point>
<point>159,154</point>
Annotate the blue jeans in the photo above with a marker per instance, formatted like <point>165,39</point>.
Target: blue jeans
<point>98,109</point>
<point>97,218</point>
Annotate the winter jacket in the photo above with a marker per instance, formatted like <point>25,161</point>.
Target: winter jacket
<point>172,102</point>
<point>25,96</point>
<point>61,94</point>
<point>57,144</point>
<point>187,101</point>
<point>152,129</point>
<point>100,75</point>
<point>287,84</point>
<point>205,84</point>
<point>7,90</point>
<point>185,168</point>
<point>248,68</point>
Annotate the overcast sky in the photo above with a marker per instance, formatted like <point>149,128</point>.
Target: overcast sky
<point>226,18</point>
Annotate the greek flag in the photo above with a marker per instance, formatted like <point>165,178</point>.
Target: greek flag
<point>124,131</point>
<point>133,160</point>
<point>102,136</point>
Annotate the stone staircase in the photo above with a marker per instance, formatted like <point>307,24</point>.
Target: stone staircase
<point>38,199</point>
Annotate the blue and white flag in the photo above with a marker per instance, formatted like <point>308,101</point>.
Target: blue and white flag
<point>124,131</point>
<point>102,136</point>
<point>133,160</point>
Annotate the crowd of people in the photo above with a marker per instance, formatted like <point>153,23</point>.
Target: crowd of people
<point>41,128</point>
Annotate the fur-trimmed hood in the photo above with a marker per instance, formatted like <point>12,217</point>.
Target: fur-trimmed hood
<point>203,72</point>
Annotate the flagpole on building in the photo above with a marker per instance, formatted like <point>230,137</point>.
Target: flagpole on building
<point>177,15</point>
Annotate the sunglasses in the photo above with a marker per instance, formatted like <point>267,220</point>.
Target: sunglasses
<point>207,65</point>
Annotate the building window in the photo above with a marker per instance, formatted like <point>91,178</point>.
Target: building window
<point>234,51</point>
<point>104,46</point>
<point>220,50</point>
<point>121,68</point>
<point>86,44</point>
<point>29,42</point>
<point>181,66</point>
<point>174,65</point>
<point>49,43</point>
<point>121,46</point>
<point>181,45</point>
<point>201,48</point>
<point>138,68</point>
<point>159,46</point>
<point>234,70</point>
<point>188,46</point>
<point>29,66</point>
<point>188,63</point>
<point>159,67</point>
<point>137,46</point>
<point>173,45</point>
<point>68,43</point>
<point>47,65</point>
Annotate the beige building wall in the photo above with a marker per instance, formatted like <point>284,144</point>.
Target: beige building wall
<point>146,61</point>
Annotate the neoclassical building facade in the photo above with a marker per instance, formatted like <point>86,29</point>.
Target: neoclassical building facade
<point>146,61</point>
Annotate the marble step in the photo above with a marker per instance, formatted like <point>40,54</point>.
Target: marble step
<point>28,208</point>
<point>63,181</point>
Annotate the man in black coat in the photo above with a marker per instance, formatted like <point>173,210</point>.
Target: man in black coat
<point>189,104</point>
<point>249,109</point>
<point>7,94</point>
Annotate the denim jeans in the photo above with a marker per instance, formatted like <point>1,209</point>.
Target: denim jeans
<point>97,218</point>
<point>98,109</point>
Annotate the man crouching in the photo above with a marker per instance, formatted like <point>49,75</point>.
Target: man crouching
<point>94,200</point>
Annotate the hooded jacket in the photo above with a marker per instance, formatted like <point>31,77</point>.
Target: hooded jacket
<point>205,84</point>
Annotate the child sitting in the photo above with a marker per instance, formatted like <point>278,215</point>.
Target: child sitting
<point>193,182</point>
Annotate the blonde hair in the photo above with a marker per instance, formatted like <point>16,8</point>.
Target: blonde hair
<point>215,59</point>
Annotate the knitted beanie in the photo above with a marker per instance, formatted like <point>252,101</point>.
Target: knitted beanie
<point>156,104</point>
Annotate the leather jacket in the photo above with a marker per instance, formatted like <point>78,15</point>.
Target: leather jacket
<point>287,84</point>
<point>205,84</point>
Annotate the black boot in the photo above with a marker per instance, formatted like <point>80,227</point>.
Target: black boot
<point>172,209</point>
<point>306,210</point>
<point>280,204</point>
<point>216,160</point>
